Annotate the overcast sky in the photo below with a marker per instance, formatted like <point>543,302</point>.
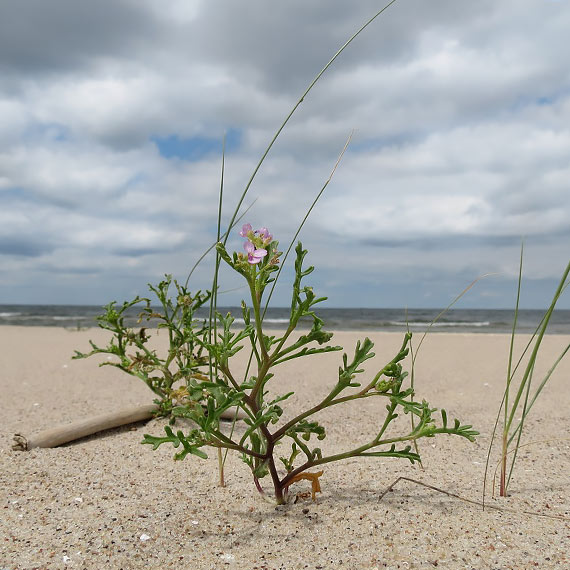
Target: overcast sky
<point>112,115</point>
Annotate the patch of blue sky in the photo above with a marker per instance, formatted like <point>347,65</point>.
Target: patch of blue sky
<point>193,149</point>
<point>522,102</point>
<point>15,194</point>
<point>48,131</point>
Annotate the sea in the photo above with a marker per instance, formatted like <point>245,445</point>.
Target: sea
<point>390,320</point>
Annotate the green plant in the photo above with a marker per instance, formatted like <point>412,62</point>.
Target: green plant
<point>283,451</point>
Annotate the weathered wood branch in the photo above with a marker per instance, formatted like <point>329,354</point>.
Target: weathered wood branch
<point>70,432</point>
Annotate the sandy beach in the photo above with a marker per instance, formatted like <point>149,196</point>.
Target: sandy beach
<point>108,502</point>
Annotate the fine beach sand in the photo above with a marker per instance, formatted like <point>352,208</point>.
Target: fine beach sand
<point>87,504</point>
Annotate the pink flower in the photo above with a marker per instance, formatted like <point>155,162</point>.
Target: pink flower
<point>256,243</point>
<point>246,228</point>
<point>254,255</point>
<point>264,234</point>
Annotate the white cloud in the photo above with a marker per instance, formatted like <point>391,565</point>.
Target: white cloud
<point>461,147</point>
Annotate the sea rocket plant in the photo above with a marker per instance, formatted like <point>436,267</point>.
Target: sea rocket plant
<point>195,379</point>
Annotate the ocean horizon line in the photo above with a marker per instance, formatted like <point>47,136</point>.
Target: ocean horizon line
<point>282,307</point>
<point>477,320</point>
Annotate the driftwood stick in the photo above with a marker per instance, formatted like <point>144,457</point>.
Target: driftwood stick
<point>82,428</point>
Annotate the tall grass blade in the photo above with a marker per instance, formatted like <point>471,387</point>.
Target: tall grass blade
<point>212,329</point>
<point>538,342</point>
<point>307,214</point>
<point>524,388</point>
<point>526,381</point>
<point>505,402</point>
<point>296,106</point>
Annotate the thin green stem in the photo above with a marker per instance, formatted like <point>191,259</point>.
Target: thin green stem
<point>323,405</point>
<point>518,442</point>
<point>359,451</point>
<point>387,420</point>
<point>512,342</point>
<point>236,447</point>
<point>504,449</point>
<point>276,354</point>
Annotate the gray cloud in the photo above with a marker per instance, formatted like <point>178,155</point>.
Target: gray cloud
<point>281,52</point>
<point>47,38</point>
<point>22,247</point>
<point>461,147</point>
